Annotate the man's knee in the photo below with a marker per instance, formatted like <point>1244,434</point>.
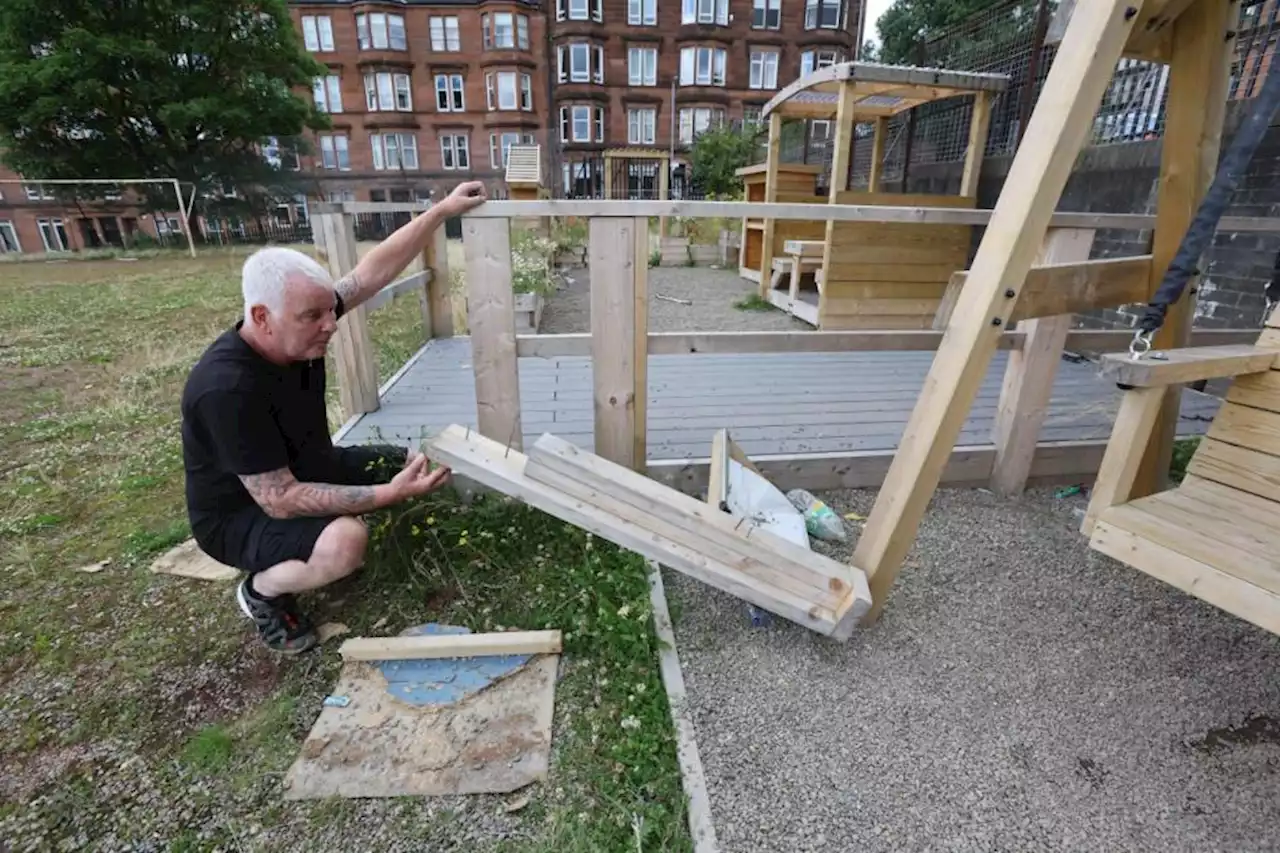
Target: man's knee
<point>341,548</point>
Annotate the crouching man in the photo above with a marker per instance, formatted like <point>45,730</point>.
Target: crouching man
<point>267,491</point>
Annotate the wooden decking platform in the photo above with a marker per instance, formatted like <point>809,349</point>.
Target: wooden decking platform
<point>772,403</point>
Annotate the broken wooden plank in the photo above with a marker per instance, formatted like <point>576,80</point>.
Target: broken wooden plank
<point>492,464</point>
<point>451,645</point>
<point>719,530</point>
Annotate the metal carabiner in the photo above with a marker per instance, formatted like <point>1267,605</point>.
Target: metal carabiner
<point>1140,345</point>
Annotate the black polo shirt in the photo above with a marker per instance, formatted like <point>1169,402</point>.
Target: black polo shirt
<point>242,414</point>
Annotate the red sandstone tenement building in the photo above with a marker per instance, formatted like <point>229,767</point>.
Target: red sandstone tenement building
<point>423,95</point>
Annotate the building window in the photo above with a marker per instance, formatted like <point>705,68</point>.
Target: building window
<point>455,151</point>
<point>380,31</point>
<point>53,234</point>
<point>822,14</point>
<point>764,70</point>
<point>8,238</point>
<point>702,66</point>
<point>578,122</point>
<point>38,192</point>
<point>526,92</point>
<point>505,30</point>
<point>641,126</point>
<point>580,10</point>
<point>574,63</point>
<point>339,196</point>
<point>812,60</point>
<point>750,115</point>
<point>394,151</point>
<point>317,32</point>
<point>642,13</point>
<point>502,84</point>
<point>387,92</point>
<point>334,153</point>
<point>695,120</point>
<point>449,93</point>
<point>642,66</point>
<point>705,12</point>
<point>500,146</point>
<point>327,92</point>
<point>766,14</point>
<point>444,34</point>
<point>819,130</point>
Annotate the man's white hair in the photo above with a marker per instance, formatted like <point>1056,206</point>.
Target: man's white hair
<point>267,271</point>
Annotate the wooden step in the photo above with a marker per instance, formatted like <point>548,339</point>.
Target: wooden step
<point>611,517</point>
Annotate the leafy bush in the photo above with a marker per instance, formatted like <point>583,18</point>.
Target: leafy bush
<point>531,257</point>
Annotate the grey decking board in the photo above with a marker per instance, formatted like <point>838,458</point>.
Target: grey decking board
<point>773,403</point>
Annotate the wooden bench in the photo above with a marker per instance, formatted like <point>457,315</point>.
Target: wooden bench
<point>791,268</point>
<point>1217,535</point>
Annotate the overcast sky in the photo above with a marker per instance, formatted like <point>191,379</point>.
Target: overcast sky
<point>875,8</point>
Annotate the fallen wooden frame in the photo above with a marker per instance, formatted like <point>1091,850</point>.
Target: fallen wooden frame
<point>451,645</point>
<point>675,530</point>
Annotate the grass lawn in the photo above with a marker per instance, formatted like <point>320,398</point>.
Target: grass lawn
<point>139,709</point>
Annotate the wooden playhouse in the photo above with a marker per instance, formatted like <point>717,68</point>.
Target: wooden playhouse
<point>860,275</point>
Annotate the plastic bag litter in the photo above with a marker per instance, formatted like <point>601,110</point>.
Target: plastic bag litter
<point>819,520</point>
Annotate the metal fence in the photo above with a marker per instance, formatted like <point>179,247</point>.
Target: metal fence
<point>1009,37</point>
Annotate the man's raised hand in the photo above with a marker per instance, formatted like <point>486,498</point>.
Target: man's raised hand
<point>418,478</point>
<point>465,196</point>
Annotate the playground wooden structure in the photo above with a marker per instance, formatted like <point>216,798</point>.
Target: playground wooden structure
<point>1031,266</point>
<point>861,275</point>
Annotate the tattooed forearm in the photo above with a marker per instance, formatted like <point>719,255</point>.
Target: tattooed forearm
<point>348,286</point>
<point>281,496</point>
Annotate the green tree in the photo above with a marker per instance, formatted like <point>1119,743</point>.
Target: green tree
<point>721,150</point>
<point>958,34</point>
<point>186,89</point>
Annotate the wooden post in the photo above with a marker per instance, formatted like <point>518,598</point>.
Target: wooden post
<point>979,125</point>
<point>1137,416</point>
<point>876,174</point>
<point>1028,378</point>
<point>436,298</point>
<point>1199,70</point>
<point>491,317</point>
<point>1063,117</point>
<point>840,155</point>
<point>772,156</point>
<point>619,337</point>
<point>335,237</point>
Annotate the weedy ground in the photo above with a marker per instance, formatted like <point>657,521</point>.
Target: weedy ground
<point>139,710</point>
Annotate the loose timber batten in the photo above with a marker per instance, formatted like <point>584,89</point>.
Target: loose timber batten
<point>852,275</point>
<point>678,531</point>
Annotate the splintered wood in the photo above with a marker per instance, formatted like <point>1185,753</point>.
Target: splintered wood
<point>725,551</point>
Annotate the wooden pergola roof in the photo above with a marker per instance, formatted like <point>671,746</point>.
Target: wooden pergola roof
<point>878,90</point>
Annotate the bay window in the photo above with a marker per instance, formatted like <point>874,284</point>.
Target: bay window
<point>763,70</point>
<point>381,31</point>
<point>702,66</point>
<point>385,91</point>
<point>394,151</point>
<point>705,12</point>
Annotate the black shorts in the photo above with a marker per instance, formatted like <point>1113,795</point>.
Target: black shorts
<point>253,541</point>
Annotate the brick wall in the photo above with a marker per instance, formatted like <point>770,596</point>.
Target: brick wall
<point>1123,178</point>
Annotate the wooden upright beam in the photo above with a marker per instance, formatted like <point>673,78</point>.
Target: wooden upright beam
<point>878,142</point>
<point>1029,375</point>
<point>1199,70</point>
<point>772,158</point>
<point>437,301</point>
<point>1057,130</point>
<point>979,126</point>
<point>840,155</point>
<point>491,317</point>
<point>335,237</point>
<point>619,309</point>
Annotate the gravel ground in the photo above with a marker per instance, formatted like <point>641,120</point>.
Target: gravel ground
<point>1020,693</point>
<point>712,292</point>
